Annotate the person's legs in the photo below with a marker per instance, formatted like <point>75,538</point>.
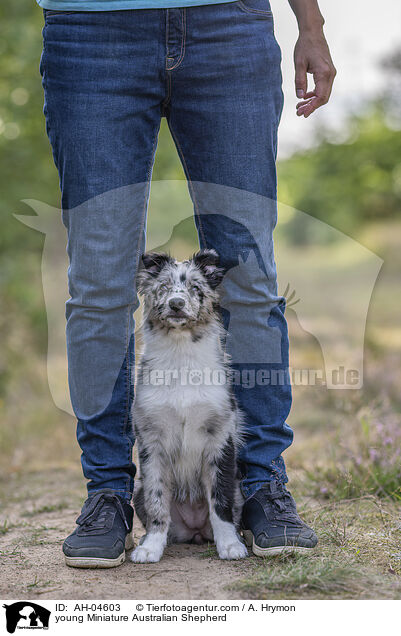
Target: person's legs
<point>103,90</point>
<point>223,112</point>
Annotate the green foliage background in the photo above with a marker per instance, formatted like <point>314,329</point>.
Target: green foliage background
<point>351,181</point>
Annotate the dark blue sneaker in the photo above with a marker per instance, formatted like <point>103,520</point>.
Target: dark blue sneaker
<point>271,524</point>
<point>103,534</point>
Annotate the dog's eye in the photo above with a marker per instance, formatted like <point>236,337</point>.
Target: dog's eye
<point>163,287</point>
<point>195,288</point>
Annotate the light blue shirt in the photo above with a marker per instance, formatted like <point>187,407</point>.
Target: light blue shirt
<point>117,5</point>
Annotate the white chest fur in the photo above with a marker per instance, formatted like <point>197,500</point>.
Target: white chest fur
<point>182,400</point>
<point>183,375</point>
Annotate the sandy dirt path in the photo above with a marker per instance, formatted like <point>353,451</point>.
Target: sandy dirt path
<point>39,510</point>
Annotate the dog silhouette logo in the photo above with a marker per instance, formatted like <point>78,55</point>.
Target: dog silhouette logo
<point>26,615</point>
<point>334,278</point>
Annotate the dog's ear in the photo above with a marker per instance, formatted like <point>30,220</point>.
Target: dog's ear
<point>153,262</point>
<point>151,266</point>
<point>207,261</point>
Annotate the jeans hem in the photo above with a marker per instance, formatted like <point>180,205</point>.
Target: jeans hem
<point>121,492</point>
<point>248,491</point>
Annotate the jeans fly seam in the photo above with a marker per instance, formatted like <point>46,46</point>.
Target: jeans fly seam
<point>167,33</point>
<point>183,42</point>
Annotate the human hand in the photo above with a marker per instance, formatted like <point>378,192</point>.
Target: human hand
<point>312,55</point>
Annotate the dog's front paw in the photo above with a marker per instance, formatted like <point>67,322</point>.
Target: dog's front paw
<point>235,550</point>
<point>143,554</point>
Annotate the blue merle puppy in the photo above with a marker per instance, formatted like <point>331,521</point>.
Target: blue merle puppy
<point>186,420</point>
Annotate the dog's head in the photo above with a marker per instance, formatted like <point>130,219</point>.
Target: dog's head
<point>180,294</point>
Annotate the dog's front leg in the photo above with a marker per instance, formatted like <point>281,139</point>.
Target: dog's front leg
<point>220,488</point>
<point>157,499</point>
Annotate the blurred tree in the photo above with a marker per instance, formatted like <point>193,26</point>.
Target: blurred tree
<point>391,65</point>
<point>350,183</point>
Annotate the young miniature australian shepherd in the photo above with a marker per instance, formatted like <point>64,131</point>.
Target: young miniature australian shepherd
<point>186,420</point>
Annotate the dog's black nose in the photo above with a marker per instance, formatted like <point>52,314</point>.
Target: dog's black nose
<point>176,303</point>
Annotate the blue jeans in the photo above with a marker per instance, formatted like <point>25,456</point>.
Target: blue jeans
<point>109,77</point>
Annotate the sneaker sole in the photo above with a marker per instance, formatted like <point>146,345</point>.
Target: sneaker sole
<point>98,562</point>
<point>273,551</point>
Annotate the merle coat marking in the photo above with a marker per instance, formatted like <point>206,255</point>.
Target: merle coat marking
<point>187,431</point>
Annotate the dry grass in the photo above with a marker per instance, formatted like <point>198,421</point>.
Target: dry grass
<point>358,556</point>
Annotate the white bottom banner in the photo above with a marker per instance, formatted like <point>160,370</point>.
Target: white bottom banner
<point>177,617</point>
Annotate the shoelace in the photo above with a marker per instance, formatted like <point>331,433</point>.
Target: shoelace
<point>97,510</point>
<point>277,495</point>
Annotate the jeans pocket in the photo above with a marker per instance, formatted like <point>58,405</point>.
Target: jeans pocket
<point>258,7</point>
